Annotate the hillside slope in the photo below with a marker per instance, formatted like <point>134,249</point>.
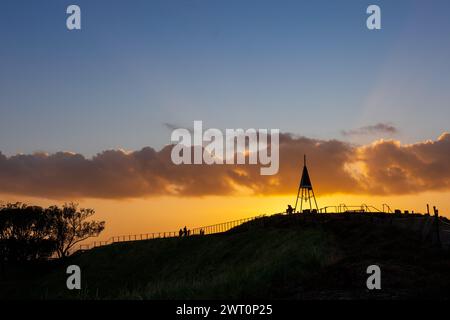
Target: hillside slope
<point>281,257</point>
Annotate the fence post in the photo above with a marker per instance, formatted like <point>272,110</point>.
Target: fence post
<point>436,226</point>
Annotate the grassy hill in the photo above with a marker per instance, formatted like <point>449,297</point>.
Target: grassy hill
<point>281,257</point>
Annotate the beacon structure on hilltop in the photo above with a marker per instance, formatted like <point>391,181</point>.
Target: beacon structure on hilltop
<point>305,192</point>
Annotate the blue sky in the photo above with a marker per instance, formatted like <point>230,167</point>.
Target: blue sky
<point>306,67</point>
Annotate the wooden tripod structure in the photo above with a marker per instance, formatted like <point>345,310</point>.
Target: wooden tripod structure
<point>305,190</point>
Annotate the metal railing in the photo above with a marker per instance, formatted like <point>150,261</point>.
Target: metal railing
<point>343,208</point>
<point>221,227</point>
<point>210,229</point>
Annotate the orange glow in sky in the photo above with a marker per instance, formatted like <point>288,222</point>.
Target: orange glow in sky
<point>164,214</point>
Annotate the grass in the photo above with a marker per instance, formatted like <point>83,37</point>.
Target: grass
<point>279,257</point>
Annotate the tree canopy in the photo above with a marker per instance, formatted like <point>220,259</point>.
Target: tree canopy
<point>32,232</point>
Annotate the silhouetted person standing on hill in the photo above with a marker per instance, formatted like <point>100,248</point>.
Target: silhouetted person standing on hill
<point>289,209</point>
<point>185,232</point>
<point>180,233</point>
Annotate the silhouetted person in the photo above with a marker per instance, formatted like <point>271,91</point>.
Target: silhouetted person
<point>289,209</point>
<point>185,231</point>
<point>180,233</point>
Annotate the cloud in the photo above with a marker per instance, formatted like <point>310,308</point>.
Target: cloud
<point>379,128</point>
<point>383,167</point>
<point>172,127</point>
<point>392,168</point>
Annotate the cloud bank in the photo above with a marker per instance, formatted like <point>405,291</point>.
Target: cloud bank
<point>383,167</point>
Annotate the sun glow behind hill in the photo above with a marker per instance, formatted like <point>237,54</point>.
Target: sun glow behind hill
<point>163,214</point>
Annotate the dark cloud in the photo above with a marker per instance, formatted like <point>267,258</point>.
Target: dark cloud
<point>379,128</point>
<point>384,167</point>
<point>172,127</point>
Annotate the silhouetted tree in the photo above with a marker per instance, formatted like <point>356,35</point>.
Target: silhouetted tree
<point>31,233</point>
<point>70,226</point>
<point>25,233</point>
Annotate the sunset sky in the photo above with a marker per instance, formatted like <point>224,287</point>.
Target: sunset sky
<point>86,116</point>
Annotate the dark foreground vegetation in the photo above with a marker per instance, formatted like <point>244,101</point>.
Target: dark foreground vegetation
<point>33,233</point>
<point>280,257</point>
